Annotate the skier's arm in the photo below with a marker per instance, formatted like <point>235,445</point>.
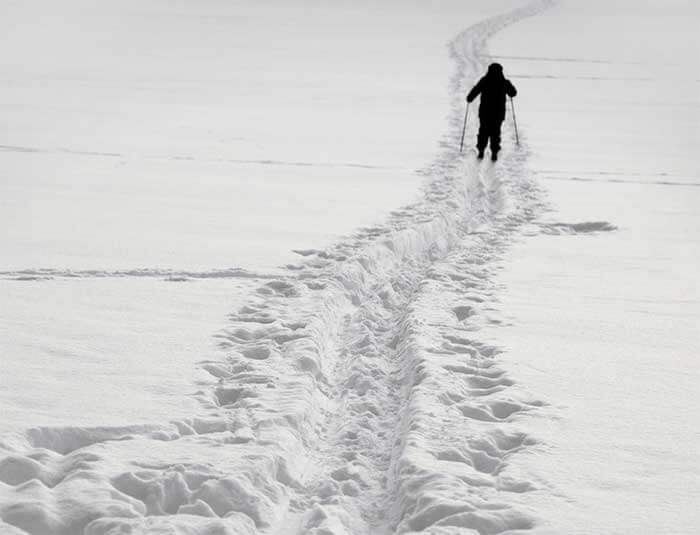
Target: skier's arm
<point>510,89</point>
<point>475,91</point>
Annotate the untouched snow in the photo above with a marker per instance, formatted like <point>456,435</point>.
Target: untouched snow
<point>492,357</point>
<point>99,351</point>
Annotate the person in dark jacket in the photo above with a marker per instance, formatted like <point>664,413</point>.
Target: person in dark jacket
<point>493,88</point>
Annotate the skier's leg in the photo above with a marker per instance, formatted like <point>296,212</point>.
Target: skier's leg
<point>482,138</point>
<point>495,137</point>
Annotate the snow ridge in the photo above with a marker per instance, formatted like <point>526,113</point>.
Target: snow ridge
<point>165,274</point>
<point>186,157</point>
<point>357,396</point>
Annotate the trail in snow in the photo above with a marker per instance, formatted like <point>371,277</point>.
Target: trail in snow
<point>357,396</point>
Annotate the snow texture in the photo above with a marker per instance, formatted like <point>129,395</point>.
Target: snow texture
<point>390,383</point>
<point>357,395</point>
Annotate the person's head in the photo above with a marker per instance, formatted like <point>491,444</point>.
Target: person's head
<point>495,69</point>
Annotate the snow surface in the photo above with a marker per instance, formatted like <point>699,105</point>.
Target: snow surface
<point>196,142</point>
<point>489,357</point>
<point>610,336</point>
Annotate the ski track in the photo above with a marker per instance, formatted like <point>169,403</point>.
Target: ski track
<point>357,396</point>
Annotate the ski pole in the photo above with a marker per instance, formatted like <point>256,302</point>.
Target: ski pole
<point>464,128</point>
<point>515,123</point>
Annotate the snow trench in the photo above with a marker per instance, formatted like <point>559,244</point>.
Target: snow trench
<point>356,397</point>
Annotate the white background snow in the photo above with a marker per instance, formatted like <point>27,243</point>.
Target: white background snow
<point>249,285</point>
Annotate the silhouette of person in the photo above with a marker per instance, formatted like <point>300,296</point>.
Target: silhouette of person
<point>493,88</point>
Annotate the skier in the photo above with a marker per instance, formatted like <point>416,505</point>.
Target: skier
<point>493,88</point>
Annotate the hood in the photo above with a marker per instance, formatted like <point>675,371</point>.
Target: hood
<point>495,71</point>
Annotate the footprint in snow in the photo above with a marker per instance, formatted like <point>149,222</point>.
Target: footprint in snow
<point>586,227</point>
<point>463,312</point>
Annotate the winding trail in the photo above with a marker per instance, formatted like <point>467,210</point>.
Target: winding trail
<point>356,397</point>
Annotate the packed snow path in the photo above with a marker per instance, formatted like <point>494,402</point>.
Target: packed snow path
<point>357,396</point>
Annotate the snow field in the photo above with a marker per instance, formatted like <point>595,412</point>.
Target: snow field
<point>199,142</point>
<point>85,349</point>
<point>348,403</point>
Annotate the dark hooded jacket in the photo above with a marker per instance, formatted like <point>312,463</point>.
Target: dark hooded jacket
<point>493,88</point>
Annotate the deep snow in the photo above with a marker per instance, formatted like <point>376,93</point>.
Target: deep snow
<point>426,373</point>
